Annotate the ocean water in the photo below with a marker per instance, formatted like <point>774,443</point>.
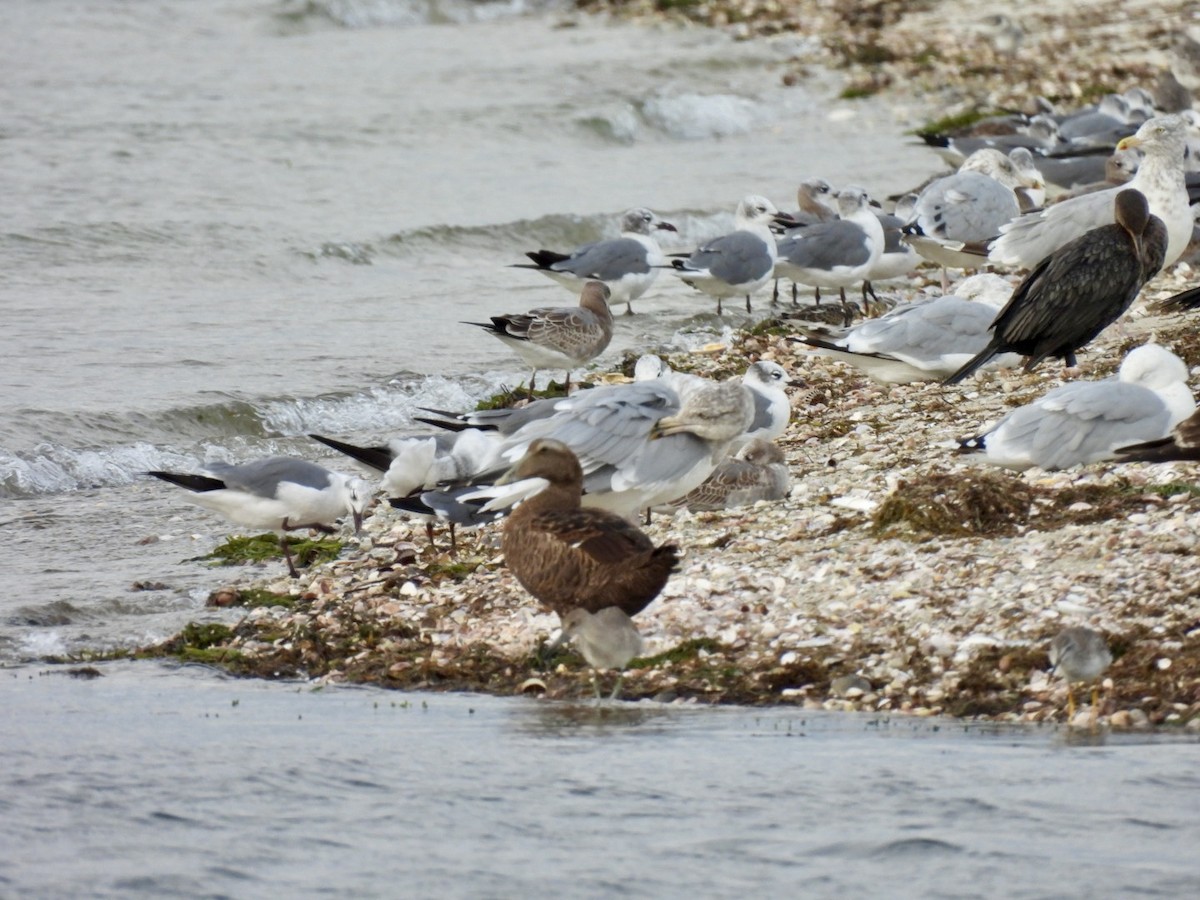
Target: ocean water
<point>221,788</point>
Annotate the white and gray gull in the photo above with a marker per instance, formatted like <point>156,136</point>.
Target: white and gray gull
<point>627,264</point>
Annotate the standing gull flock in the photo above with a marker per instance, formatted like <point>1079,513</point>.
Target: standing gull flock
<point>627,264</point>
<point>739,263</point>
<point>278,493</point>
<point>1088,421</point>
<point>1079,290</point>
<point>1160,178</point>
<point>559,335</point>
<point>836,254</point>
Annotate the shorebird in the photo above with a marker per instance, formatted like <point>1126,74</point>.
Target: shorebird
<point>553,336</point>
<point>607,639</point>
<point>627,264</point>
<point>278,493</point>
<point>1079,289</point>
<point>1079,654</point>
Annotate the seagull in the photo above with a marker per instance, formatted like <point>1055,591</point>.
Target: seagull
<point>1028,240</point>
<point>627,264</point>
<point>925,340</point>
<point>738,263</point>
<point>559,335</point>
<point>758,471</point>
<point>421,462</point>
<point>1088,421</point>
<point>607,639</point>
<point>279,493</point>
<point>772,408</point>
<point>1039,134</point>
<point>1079,290</point>
<point>572,557</point>
<point>836,254</point>
<point>955,216</point>
<point>1079,654</point>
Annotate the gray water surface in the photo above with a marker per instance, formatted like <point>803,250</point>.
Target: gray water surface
<point>214,787</point>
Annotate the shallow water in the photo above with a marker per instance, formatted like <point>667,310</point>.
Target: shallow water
<point>229,224</point>
<point>248,789</point>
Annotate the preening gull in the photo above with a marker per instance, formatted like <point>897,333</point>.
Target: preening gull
<point>1079,654</point>
<point>836,254</point>
<point>1088,421</point>
<point>925,340</point>
<point>738,263</point>
<point>1079,290</point>
<point>758,471</point>
<point>627,264</point>
<point>560,335</point>
<point>278,493</point>
<point>1160,178</point>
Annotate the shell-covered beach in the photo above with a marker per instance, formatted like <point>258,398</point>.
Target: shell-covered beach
<point>897,576</point>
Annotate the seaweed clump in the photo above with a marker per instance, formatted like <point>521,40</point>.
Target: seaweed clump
<point>955,505</point>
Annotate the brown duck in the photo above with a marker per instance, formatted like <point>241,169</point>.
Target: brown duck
<point>570,557</point>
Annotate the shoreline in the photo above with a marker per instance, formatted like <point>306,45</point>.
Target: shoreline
<point>810,601</point>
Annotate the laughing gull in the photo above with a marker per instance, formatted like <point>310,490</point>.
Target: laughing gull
<point>758,471</point>
<point>574,557</point>
<point>1079,654</point>
<point>738,263</point>
<point>278,493</point>
<point>1028,240</point>
<point>836,254</point>
<point>550,337</point>
<point>422,462</point>
<point>1039,134</point>
<point>607,639</point>
<point>627,264</point>
<point>1079,290</point>
<point>955,216</point>
<point>1087,421</point>
<point>925,340</point>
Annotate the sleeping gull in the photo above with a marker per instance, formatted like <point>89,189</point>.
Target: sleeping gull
<point>627,264</point>
<point>955,216</point>
<point>1088,421</point>
<point>924,340</point>
<point>738,263</point>
<point>1028,240</point>
<point>836,254</point>
<point>278,493</point>
<point>553,336</point>
<point>758,471</point>
<point>1079,654</point>
<point>1079,290</point>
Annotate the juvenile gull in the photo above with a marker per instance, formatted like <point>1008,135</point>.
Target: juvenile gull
<point>738,263</point>
<point>278,493</point>
<point>1079,654</point>
<point>925,340</point>
<point>1079,290</point>
<point>627,264</point>
<point>758,471</point>
<point>549,337</point>
<point>1088,421</point>
<point>1031,238</point>
<point>607,639</point>
<point>836,254</point>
